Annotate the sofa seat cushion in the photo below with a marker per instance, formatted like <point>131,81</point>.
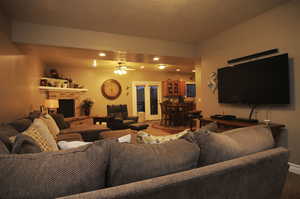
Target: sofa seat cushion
<point>218,147</point>
<point>135,162</point>
<point>54,174</point>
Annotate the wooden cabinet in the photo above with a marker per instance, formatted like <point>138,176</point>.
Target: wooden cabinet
<point>173,88</point>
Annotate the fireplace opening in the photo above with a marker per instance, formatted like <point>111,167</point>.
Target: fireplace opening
<point>66,107</point>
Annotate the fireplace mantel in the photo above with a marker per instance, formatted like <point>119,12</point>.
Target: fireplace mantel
<point>58,89</point>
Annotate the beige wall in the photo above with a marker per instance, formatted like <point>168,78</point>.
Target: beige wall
<point>92,79</point>
<point>68,37</point>
<point>19,78</point>
<point>277,28</point>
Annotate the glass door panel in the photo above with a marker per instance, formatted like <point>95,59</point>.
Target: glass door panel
<point>153,100</point>
<point>140,98</point>
<point>146,98</point>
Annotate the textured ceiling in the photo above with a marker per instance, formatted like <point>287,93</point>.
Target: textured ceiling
<point>175,20</point>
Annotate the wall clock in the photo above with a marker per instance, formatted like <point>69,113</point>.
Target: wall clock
<point>111,89</point>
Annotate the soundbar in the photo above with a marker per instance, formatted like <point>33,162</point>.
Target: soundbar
<point>256,55</point>
<point>233,118</point>
<point>223,117</point>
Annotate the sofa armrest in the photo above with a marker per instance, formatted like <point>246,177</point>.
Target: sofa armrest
<point>69,137</point>
<point>135,118</point>
<point>238,178</point>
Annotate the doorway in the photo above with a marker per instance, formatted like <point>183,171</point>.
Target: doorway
<point>146,97</point>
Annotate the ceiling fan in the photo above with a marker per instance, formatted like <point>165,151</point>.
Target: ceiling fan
<point>121,69</point>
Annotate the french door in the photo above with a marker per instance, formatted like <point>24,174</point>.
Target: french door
<point>146,97</point>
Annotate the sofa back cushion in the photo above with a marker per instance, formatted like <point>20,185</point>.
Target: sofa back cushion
<point>21,124</point>
<point>25,144</point>
<point>8,130</point>
<point>218,147</point>
<point>54,174</point>
<point>134,162</point>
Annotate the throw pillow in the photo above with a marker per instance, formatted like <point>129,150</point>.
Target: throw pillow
<point>21,124</point>
<point>51,124</point>
<point>45,133</point>
<point>135,162</point>
<point>146,138</point>
<point>39,139</point>
<point>25,144</point>
<point>3,148</point>
<point>63,145</point>
<point>192,136</point>
<point>60,121</point>
<point>6,141</point>
<point>54,174</point>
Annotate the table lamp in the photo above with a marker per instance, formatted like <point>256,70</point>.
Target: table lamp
<point>52,105</point>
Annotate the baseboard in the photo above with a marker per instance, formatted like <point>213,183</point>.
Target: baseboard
<point>294,168</point>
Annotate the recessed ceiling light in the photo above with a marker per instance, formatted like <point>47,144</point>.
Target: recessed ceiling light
<point>178,69</point>
<point>193,71</point>
<point>161,67</point>
<point>94,62</point>
<point>102,54</point>
<point>155,58</point>
<point>142,67</point>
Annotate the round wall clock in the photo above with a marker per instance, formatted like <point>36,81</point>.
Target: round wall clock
<point>111,89</point>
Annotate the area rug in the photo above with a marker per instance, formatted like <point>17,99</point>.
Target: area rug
<point>171,130</point>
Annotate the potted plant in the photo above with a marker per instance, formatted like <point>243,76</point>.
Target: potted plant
<point>86,106</point>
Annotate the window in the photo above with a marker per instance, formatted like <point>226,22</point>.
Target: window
<point>190,90</point>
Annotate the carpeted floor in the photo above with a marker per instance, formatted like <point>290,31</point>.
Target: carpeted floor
<point>291,188</point>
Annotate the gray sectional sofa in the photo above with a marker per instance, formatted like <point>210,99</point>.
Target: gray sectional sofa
<point>243,163</point>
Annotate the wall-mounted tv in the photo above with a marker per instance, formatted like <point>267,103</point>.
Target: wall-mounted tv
<point>264,81</point>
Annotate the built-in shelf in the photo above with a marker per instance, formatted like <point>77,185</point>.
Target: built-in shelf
<point>58,89</point>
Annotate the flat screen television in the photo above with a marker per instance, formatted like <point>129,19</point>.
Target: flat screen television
<point>264,81</point>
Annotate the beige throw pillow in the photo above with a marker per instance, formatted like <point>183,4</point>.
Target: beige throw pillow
<point>51,124</point>
<point>146,138</point>
<point>38,138</point>
<point>42,128</point>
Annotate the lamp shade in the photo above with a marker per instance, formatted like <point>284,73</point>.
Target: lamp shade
<point>51,103</point>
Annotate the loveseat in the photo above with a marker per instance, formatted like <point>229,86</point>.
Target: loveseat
<point>239,164</point>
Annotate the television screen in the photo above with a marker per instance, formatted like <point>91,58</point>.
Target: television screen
<point>265,81</point>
